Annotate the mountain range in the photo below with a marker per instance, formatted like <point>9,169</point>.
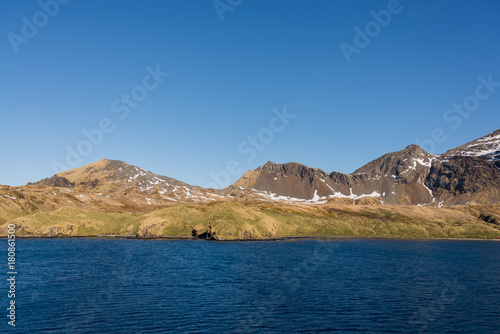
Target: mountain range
<point>412,176</point>
<point>464,176</point>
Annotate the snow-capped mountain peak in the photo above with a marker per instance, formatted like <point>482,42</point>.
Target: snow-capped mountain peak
<point>486,147</point>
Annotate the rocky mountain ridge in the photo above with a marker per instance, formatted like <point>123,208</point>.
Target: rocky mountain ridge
<point>466,174</point>
<point>412,176</point>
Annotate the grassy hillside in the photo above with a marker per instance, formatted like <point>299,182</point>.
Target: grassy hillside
<point>230,220</point>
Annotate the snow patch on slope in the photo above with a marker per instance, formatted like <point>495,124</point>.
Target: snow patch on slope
<point>316,198</point>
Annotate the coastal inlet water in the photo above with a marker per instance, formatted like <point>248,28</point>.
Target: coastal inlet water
<point>293,286</point>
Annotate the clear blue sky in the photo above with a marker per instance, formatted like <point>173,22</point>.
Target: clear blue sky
<point>227,76</point>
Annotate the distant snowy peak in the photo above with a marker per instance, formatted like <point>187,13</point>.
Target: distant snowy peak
<point>485,147</point>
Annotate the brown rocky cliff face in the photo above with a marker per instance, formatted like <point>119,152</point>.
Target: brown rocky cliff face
<point>459,180</point>
<point>290,179</point>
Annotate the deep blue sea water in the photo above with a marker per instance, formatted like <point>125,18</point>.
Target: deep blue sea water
<point>304,286</point>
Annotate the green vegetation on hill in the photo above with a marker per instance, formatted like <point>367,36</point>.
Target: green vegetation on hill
<point>230,221</point>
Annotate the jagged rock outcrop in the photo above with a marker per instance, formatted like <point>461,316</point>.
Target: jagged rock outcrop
<point>55,181</point>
